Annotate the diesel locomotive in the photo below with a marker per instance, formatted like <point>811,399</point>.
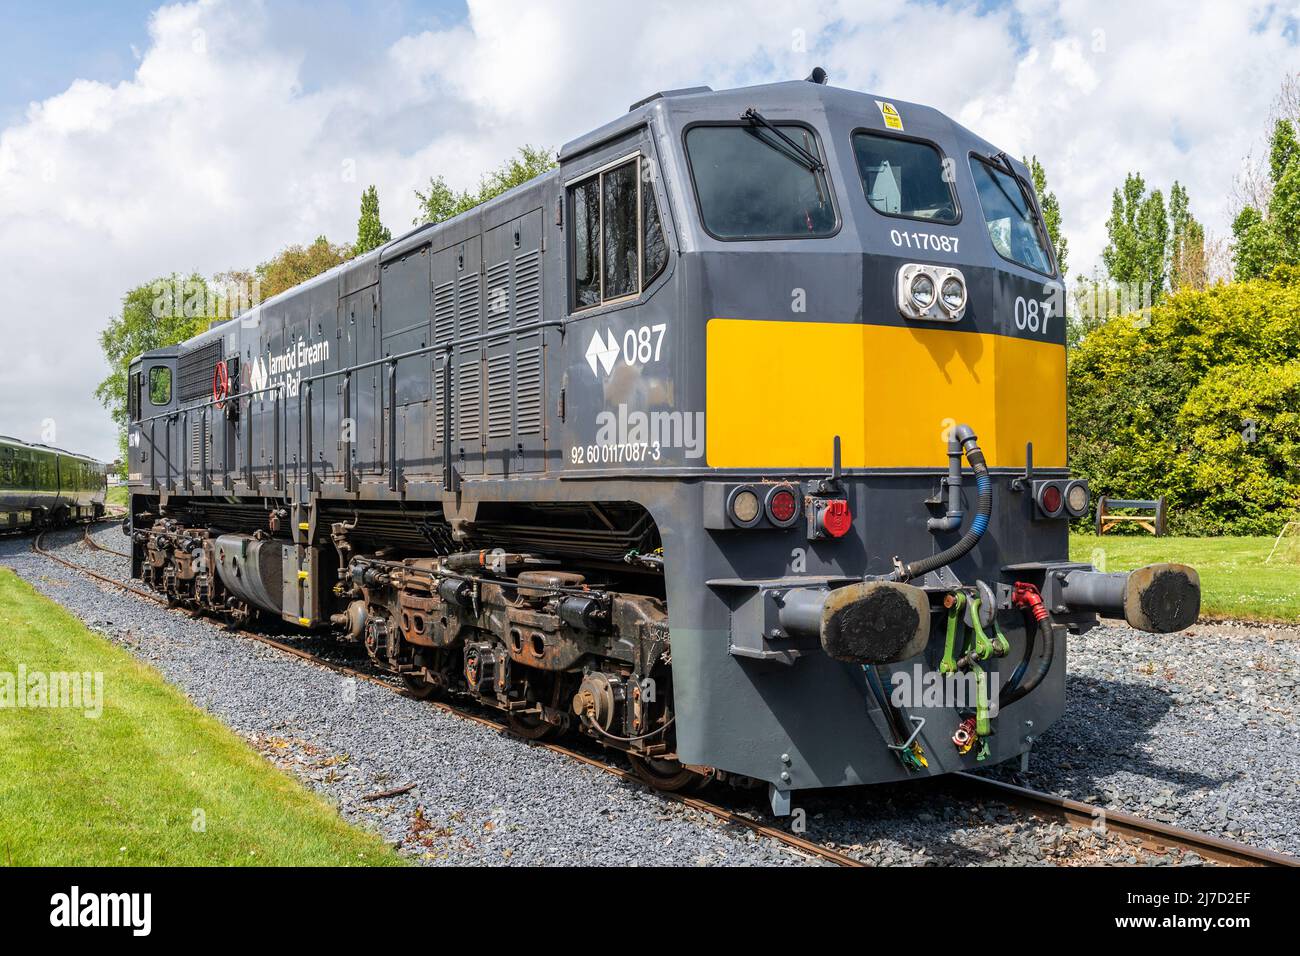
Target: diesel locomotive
<point>736,443</point>
<point>43,487</point>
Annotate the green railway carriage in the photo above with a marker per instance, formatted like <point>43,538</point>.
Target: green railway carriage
<point>42,486</point>
<point>724,443</point>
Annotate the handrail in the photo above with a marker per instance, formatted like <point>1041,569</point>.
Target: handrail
<point>451,477</point>
<point>362,366</point>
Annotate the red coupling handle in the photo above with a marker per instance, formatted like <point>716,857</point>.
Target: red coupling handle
<point>1024,595</point>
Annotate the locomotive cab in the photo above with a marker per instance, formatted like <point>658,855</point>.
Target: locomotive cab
<point>868,322</point>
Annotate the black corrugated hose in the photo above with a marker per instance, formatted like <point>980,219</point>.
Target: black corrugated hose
<point>979,524</point>
<point>1028,599</point>
<point>1020,685</point>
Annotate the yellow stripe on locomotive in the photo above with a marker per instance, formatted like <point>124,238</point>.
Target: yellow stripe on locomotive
<point>778,393</point>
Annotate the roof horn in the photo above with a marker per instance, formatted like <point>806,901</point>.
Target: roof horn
<point>818,76</point>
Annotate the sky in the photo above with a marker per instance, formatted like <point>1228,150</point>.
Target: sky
<point>137,140</point>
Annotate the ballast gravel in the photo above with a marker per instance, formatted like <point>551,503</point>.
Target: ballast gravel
<point>484,798</point>
<point>1199,730</point>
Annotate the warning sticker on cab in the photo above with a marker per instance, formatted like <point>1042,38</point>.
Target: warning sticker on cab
<point>890,115</point>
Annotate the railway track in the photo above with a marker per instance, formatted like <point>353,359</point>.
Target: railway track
<point>806,847</point>
<point>1158,836</point>
<point>95,545</point>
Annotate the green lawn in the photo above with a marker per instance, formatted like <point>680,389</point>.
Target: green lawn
<point>1235,581</point>
<point>116,495</point>
<point>152,780</point>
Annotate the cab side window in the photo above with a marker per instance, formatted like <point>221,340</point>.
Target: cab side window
<point>133,397</point>
<point>160,385</point>
<point>617,247</point>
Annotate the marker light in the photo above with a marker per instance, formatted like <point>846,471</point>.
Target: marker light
<point>782,506</point>
<point>744,507</point>
<point>1050,500</point>
<point>1077,498</point>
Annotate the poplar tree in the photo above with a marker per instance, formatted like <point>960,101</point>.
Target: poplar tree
<point>371,233</point>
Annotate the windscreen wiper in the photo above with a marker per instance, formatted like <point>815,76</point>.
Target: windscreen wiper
<point>1003,161</point>
<point>796,152</point>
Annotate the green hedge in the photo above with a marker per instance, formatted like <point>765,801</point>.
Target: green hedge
<point>1200,403</point>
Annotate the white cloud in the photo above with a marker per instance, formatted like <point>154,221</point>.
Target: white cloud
<point>223,147</point>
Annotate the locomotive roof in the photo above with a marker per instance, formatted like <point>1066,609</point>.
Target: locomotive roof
<point>790,99</point>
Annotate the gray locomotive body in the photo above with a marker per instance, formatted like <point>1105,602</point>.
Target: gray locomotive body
<point>666,446</point>
<point>42,486</point>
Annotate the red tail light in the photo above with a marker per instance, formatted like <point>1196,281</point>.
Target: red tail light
<point>782,506</point>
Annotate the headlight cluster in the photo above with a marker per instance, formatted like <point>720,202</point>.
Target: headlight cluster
<point>935,293</point>
<point>779,503</point>
<point>1062,498</point>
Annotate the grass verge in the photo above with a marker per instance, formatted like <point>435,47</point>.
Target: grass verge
<point>1235,581</point>
<point>151,781</point>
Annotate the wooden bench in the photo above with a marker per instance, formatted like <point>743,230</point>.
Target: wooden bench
<point>1152,520</point>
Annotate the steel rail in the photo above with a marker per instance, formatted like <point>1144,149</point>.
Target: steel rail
<point>1153,834</point>
<point>102,547</point>
<point>791,840</point>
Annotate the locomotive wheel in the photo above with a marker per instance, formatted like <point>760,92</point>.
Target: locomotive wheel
<point>667,775</point>
<point>420,688</point>
<point>530,726</point>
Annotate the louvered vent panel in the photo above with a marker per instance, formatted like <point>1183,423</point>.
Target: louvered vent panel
<point>469,403</point>
<point>528,391</point>
<point>498,297</point>
<point>498,396</point>
<point>198,434</point>
<point>444,313</point>
<point>467,312</point>
<point>438,403</point>
<point>528,288</point>
<point>195,368</point>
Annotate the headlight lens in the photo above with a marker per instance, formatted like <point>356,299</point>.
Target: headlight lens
<point>953,293</point>
<point>1076,499</point>
<point>745,506</point>
<point>923,291</point>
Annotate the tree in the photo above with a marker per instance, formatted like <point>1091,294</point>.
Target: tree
<point>440,202</point>
<point>1199,404</point>
<point>1138,231</point>
<point>297,264</point>
<point>1253,183</point>
<point>371,233</point>
<point>1091,302</point>
<point>154,315</point>
<point>1051,213</point>
<point>1188,258</point>
<point>1266,238</point>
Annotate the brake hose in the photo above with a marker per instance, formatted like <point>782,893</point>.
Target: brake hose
<point>979,524</point>
<point>1026,596</point>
